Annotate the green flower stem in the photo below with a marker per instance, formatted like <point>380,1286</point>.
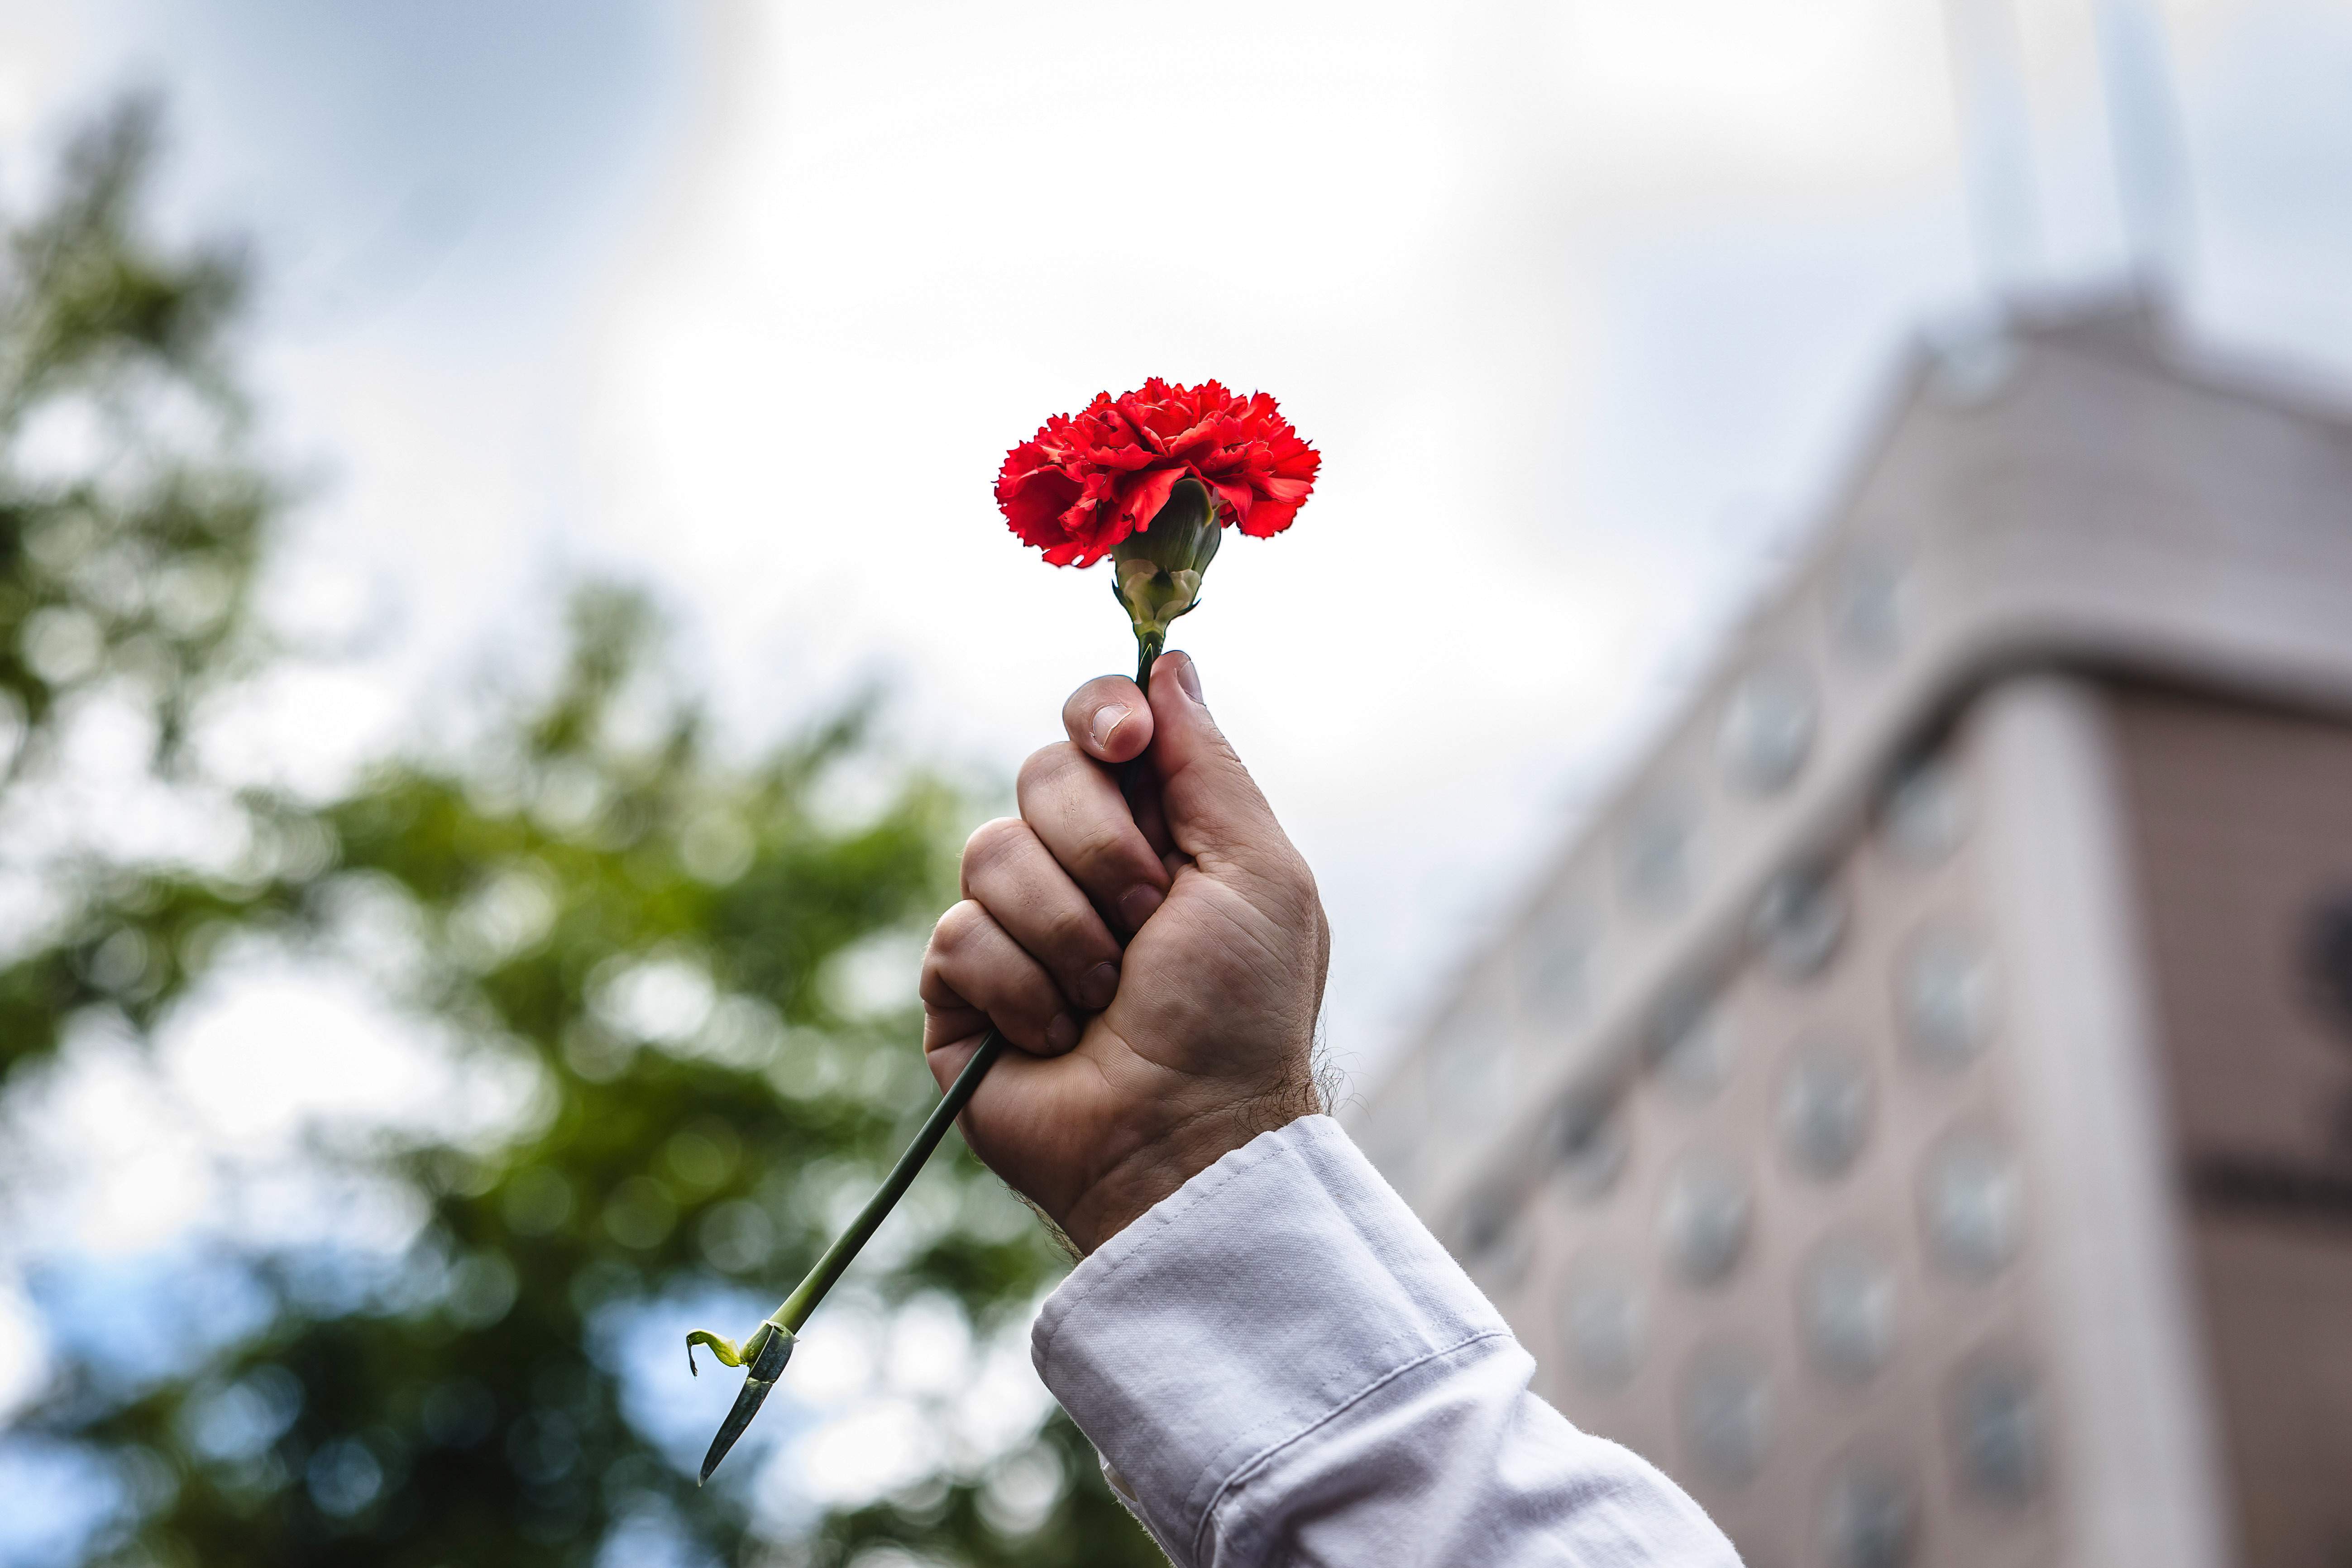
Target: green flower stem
<point>829,1268</point>
<point>803,1300</point>
<point>770,1346</point>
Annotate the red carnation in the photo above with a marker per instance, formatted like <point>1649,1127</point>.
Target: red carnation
<point>1087,482</point>
<point>1149,479</point>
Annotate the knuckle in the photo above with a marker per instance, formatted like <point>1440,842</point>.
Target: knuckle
<point>956,930</point>
<point>1103,688</point>
<point>937,994</point>
<point>1071,932</point>
<point>1302,877</point>
<point>1107,850</point>
<point>991,842</point>
<point>1036,1005</point>
<point>1046,767</point>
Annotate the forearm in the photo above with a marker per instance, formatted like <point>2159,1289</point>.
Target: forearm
<point>1282,1365</point>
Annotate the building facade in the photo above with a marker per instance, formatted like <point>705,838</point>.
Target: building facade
<point>1916,1110</point>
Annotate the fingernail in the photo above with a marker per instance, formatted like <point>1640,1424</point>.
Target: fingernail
<point>1107,722</point>
<point>1099,986</point>
<point>1188,675</point>
<point>1062,1033</point>
<point>1136,907</point>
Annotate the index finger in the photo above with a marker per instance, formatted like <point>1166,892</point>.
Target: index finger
<point>1108,719</point>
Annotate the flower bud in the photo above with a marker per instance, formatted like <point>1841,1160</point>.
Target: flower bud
<point>1158,570</point>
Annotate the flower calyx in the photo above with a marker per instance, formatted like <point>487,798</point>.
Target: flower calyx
<point>764,1354</point>
<point>1159,567</point>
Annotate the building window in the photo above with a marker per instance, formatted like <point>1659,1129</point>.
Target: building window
<point>1727,1413</point>
<point>1926,813</point>
<point>1654,855</point>
<point>1846,1304</point>
<point>1798,924</point>
<point>1689,1049</point>
<point>1944,998</point>
<point>1997,1431</point>
<point>1554,963</point>
<point>1589,1144</point>
<point>2327,962</point>
<point>1602,1314</point>
<point>1972,1202</point>
<point>1869,1518</point>
<point>1495,1243</point>
<point>1865,606</point>
<point>1704,1220</point>
<point>1767,729</point>
<point>1825,1110</point>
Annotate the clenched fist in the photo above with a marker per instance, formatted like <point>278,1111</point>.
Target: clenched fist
<point>1155,953</point>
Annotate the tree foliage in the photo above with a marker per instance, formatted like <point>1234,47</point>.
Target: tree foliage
<point>632,938</point>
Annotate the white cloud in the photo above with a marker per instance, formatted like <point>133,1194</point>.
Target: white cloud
<point>264,1054</point>
<point>909,239</point>
<point>1582,301</point>
<point>24,1353</point>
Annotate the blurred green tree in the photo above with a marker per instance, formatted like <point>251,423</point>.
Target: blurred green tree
<point>628,933</point>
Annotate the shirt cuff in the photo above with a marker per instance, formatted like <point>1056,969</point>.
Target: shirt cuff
<point>1273,1289</point>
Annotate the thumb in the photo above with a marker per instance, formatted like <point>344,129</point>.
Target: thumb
<point>1210,802</point>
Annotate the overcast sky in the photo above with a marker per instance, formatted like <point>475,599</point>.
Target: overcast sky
<point>1582,301</point>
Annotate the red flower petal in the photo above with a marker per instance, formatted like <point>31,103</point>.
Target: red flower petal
<point>1084,482</point>
<point>1238,499</point>
<point>1143,497</point>
<point>1268,518</point>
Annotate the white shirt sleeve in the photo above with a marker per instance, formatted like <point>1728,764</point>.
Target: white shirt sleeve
<point>1281,1366</point>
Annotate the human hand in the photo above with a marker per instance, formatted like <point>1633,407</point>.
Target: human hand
<point>1133,1071</point>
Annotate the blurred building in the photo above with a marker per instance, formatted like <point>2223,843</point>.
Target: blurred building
<point>1917,1112</point>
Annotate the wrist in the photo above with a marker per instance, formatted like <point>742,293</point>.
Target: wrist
<point>1155,1168</point>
